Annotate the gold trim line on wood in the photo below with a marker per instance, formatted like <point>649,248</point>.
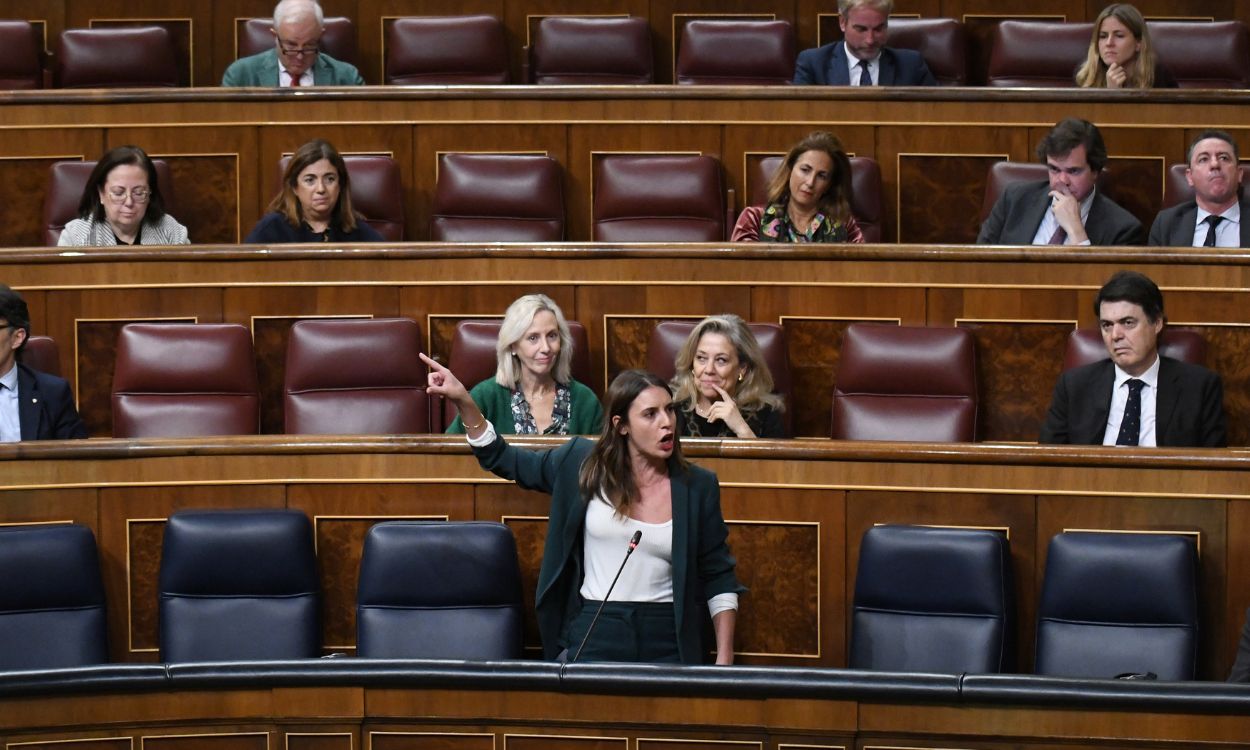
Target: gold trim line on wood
<point>130,627</point>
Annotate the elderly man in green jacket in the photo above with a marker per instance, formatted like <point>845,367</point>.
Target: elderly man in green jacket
<point>295,59</point>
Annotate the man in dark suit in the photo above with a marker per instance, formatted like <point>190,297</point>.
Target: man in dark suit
<point>1213,217</point>
<point>861,58</point>
<point>1067,209</point>
<point>33,405</point>
<point>1137,397</point>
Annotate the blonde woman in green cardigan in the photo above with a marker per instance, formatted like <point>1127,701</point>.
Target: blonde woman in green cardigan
<point>533,392</point>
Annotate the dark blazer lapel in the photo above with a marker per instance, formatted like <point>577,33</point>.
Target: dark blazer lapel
<point>1099,399</point>
<point>1165,399</point>
<point>1183,230</point>
<point>837,73</point>
<point>1245,222</point>
<point>269,69</point>
<point>1034,213</point>
<point>683,526</point>
<point>28,410</point>
<point>887,69</point>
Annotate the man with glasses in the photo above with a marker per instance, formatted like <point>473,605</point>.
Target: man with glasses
<point>33,405</point>
<point>295,59</point>
<point>1067,209</point>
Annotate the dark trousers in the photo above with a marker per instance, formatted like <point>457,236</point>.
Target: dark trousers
<point>626,631</point>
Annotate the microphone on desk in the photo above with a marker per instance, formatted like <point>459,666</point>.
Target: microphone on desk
<point>633,545</point>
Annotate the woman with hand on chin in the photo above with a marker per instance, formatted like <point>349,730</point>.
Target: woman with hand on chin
<point>723,387</point>
<point>1121,55</point>
<point>633,479</point>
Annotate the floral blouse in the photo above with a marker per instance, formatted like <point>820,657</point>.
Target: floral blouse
<point>772,223</point>
<point>524,420</point>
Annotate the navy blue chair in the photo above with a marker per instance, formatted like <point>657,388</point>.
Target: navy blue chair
<point>52,609</point>
<point>933,600</point>
<point>439,590</point>
<point>1116,604</point>
<point>238,585</point>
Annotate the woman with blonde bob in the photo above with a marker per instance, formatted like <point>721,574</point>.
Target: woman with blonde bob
<point>723,387</point>
<point>1121,54</point>
<point>809,197</point>
<point>533,391</point>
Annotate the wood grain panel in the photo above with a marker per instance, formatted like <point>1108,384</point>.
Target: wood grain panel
<point>1137,185</point>
<point>1236,599</point>
<point>209,741</point>
<point>28,155</point>
<point>87,743</point>
<point>525,513</point>
<point>1228,355</point>
<point>960,183</point>
<point>1178,9</point>
<point>50,506</point>
<point>320,741</point>
<point>687,744</point>
<point>431,741</point>
<point>815,347</point>
<point>563,742</point>
<point>1017,366</point>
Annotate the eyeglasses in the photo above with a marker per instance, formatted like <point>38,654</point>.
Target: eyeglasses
<point>138,195</point>
<point>297,51</point>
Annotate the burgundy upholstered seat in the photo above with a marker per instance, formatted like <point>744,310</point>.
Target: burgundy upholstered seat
<point>940,41</point>
<point>1213,55</point>
<point>447,50</point>
<point>21,56</point>
<point>1176,188</point>
<point>659,198</point>
<point>1085,346</point>
<point>497,198</point>
<point>1038,53</point>
<point>116,57</point>
<point>736,53</point>
<point>338,40</point>
<point>41,353</point>
<point>592,50</point>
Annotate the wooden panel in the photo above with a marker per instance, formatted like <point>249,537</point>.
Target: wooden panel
<point>431,741</point>
<point>50,506</point>
<point>686,744</point>
<point>525,513</point>
<point>320,741</point>
<point>209,741</point>
<point>1228,355</point>
<point>28,155</point>
<point>1017,366</point>
<point>960,183</point>
<point>565,742</point>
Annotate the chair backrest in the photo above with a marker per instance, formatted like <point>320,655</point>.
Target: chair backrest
<point>1212,55</point>
<point>940,41</point>
<point>338,40</point>
<point>668,337</point>
<point>739,52</point>
<point>377,191</point>
<point>447,50</point>
<point>439,590</point>
<point>659,198</point>
<point>866,203</point>
<point>21,56</point>
<point>238,585</point>
<point>906,383</point>
<point>933,600</point>
<point>41,353</point>
<point>1118,603</point>
<point>184,380</point>
<point>592,50</point>
<point>1038,53</point>
<point>497,198</point>
<point>1085,346</point>
<point>355,377</point>
<point>121,57</point>
<point>1004,173</point>
<point>52,607</point>
<point>66,181</point>
<point>1176,188</point>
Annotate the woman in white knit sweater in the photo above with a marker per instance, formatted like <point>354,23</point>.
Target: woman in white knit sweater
<point>122,205</point>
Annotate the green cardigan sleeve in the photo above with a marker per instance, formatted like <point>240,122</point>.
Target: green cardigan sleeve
<point>586,417</point>
<point>495,402</point>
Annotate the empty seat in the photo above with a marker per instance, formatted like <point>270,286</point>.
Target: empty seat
<point>41,353</point>
<point>1213,55</point>
<point>940,41</point>
<point>933,600</point>
<point>447,50</point>
<point>355,376</point>
<point>439,590</point>
<point>1038,53</point>
<point>592,50</point>
<point>1085,346</point>
<point>121,57</point>
<point>866,203</point>
<point>21,56</point>
<point>1115,604</point>
<point>497,198</point>
<point>737,53</point>
<point>1176,188</point>
<point>238,585</point>
<point>338,40</point>
<point>66,181</point>
<point>52,608</point>
<point>659,198</point>
<point>184,380</point>
<point>906,383</point>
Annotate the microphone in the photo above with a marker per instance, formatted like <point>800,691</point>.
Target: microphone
<point>633,545</point>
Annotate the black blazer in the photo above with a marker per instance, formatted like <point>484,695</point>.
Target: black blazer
<point>45,407</point>
<point>1189,408</point>
<point>1174,227</point>
<point>826,66</point>
<point>1019,211</point>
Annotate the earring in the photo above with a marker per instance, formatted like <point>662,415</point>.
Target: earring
<point>739,377</point>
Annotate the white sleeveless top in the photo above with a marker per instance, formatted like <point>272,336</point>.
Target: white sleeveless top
<point>647,577</point>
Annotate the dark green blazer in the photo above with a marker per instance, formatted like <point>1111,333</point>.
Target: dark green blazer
<point>702,564</point>
<point>262,70</point>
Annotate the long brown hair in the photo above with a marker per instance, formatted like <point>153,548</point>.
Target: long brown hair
<point>753,392</point>
<point>287,203</point>
<point>1141,72</point>
<point>607,469</point>
<point>836,202</point>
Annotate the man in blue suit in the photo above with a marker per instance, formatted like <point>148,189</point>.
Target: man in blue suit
<point>33,405</point>
<point>861,58</point>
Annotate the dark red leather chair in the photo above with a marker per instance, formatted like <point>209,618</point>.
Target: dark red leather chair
<point>1213,55</point>
<point>41,353</point>
<point>1038,53</point>
<point>1176,188</point>
<point>377,192</point>
<point>659,198</point>
<point>66,181</point>
<point>1085,346</point>
<point>447,50</point>
<point>355,377</point>
<point>906,383</point>
<point>497,198</point>
<point>940,41</point>
<point>473,357</point>
<point>866,200</point>
<point>121,57</point>
<point>338,40</point>
<point>21,56</point>
<point>591,50</point>
<point>668,337</point>
<point>184,380</point>
<point>736,53</point>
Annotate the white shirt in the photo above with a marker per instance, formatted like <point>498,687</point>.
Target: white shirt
<point>1119,398</point>
<point>1049,224</point>
<point>284,78</point>
<point>10,415</point>
<point>1227,232</point>
<point>647,577</point>
<point>854,70</point>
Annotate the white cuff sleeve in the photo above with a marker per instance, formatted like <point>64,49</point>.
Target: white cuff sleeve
<point>722,602</point>
<point>485,439</point>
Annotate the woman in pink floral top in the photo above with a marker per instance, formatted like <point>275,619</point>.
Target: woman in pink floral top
<point>809,198</point>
